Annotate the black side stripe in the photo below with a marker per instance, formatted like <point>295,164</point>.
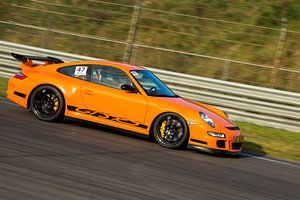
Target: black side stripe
<point>20,94</point>
<point>198,141</point>
<point>106,116</point>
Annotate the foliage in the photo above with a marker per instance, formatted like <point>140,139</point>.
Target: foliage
<point>243,30</point>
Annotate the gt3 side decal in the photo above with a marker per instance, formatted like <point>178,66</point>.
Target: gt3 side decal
<point>105,116</point>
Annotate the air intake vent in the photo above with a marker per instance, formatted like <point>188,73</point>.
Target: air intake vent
<point>234,128</point>
<point>236,146</point>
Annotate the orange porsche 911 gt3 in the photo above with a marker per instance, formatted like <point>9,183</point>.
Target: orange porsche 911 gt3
<point>123,96</point>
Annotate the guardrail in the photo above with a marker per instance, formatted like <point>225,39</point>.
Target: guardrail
<point>263,106</point>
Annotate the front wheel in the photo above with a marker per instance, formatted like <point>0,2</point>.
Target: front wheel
<point>47,103</point>
<point>171,131</point>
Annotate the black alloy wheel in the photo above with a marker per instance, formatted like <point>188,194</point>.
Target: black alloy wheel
<point>47,103</point>
<point>171,131</point>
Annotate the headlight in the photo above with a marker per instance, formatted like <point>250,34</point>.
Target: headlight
<point>227,116</point>
<point>215,134</point>
<point>207,119</point>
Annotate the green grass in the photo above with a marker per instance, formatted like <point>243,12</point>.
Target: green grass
<point>271,141</point>
<point>3,86</point>
<point>165,30</point>
<point>258,139</point>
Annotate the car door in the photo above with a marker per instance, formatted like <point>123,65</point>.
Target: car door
<point>103,94</point>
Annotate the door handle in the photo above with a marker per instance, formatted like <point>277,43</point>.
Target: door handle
<point>89,92</point>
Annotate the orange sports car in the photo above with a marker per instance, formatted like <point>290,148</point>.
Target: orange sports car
<point>123,96</point>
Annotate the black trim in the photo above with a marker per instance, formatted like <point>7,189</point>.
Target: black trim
<point>236,146</point>
<point>142,126</point>
<point>25,58</point>
<point>221,143</point>
<point>20,94</point>
<point>198,141</point>
<point>234,128</point>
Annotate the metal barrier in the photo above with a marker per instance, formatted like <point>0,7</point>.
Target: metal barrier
<point>263,106</point>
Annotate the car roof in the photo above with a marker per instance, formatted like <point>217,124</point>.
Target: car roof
<point>123,66</point>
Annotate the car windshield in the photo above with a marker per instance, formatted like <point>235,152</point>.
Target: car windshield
<point>151,84</point>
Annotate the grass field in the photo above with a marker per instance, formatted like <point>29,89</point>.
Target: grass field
<point>3,86</point>
<point>271,141</point>
<point>241,30</point>
<point>258,139</point>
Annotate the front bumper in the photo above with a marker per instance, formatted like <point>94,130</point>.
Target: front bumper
<point>232,143</point>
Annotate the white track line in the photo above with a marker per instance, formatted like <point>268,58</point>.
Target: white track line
<point>245,154</point>
<point>272,160</point>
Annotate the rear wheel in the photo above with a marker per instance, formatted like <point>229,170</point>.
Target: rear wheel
<point>47,103</point>
<point>171,131</point>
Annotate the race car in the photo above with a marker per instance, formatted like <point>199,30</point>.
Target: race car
<point>120,95</point>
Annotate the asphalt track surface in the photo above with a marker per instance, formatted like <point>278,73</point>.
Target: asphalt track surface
<point>76,160</point>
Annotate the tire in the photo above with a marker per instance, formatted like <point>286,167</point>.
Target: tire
<point>47,103</point>
<point>170,130</point>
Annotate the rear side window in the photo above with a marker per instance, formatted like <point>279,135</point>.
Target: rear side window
<point>79,71</point>
<point>109,76</point>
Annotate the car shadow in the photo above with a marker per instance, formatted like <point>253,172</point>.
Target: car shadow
<point>254,149</point>
<point>105,128</point>
<point>249,148</point>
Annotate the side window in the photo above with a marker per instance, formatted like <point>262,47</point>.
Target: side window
<point>79,71</point>
<point>109,76</point>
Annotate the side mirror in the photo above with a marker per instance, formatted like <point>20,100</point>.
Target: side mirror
<point>129,88</point>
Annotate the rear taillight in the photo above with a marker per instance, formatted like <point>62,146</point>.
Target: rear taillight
<point>20,76</point>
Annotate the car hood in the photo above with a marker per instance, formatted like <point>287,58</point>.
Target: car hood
<point>214,113</point>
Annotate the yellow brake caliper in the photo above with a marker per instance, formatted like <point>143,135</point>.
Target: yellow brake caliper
<point>55,105</point>
<point>162,129</point>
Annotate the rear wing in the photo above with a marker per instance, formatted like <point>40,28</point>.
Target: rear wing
<point>27,60</point>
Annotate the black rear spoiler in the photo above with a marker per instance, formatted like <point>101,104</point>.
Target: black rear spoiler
<point>25,59</point>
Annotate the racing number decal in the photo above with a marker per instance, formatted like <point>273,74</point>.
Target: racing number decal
<point>80,70</point>
<point>105,116</point>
